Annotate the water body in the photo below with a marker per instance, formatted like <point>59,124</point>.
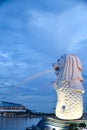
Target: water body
<point>17,123</point>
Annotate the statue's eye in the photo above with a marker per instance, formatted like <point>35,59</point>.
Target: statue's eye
<point>62,56</point>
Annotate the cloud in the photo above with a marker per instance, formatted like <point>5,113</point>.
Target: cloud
<point>69,25</point>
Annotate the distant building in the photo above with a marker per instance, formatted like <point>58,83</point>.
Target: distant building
<point>11,107</point>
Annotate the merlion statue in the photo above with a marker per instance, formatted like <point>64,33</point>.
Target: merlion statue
<point>68,86</point>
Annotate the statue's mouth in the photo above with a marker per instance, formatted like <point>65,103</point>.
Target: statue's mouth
<point>55,66</point>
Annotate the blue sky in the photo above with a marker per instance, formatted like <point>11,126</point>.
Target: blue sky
<point>33,35</point>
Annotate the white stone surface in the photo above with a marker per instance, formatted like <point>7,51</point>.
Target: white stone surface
<point>68,86</point>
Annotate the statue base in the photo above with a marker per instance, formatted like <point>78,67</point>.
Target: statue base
<point>57,124</point>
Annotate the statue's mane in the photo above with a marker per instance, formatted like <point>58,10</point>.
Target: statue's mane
<point>69,67</point>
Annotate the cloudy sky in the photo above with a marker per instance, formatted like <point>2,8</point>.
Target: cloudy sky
<point>33,35</point>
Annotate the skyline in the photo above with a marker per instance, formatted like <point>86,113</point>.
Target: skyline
<point>33,35</point>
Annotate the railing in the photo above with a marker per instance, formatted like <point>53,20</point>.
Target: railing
<point>12,109</point>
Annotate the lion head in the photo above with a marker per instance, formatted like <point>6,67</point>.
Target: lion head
<point>69,68</point>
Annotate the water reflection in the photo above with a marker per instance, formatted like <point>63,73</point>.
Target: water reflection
<point>17,123</point>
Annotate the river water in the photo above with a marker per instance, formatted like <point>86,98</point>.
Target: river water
<point>17,123</point>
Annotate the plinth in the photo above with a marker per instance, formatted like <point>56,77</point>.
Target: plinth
<point>57,124</point>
